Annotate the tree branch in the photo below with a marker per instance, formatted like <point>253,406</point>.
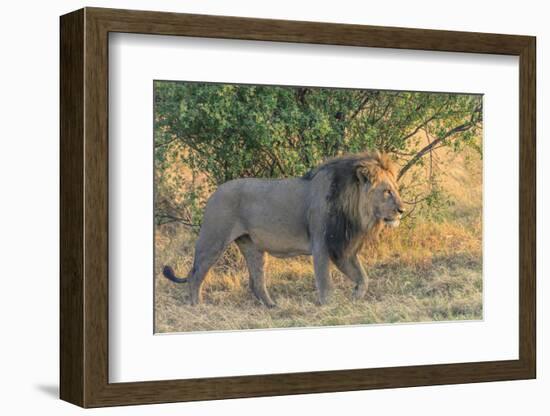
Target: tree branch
<point>361,106</point>
<point>458,129</point>
<point>275,159</point>
<point>173,218</point>
<point>166,143</point>
<point>301,95</point>
<point>425,122</point>
<point>417,200</point>
<point>385,111</point>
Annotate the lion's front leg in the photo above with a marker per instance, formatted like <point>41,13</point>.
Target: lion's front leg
<point>353,269</point>
<point>322,275</point>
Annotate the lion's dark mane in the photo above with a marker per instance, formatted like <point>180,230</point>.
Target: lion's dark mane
<point>344,234</point>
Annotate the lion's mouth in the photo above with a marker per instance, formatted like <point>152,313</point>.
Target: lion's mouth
<point>392,222</point>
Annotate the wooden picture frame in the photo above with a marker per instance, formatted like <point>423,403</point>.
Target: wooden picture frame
<point>84,207</point>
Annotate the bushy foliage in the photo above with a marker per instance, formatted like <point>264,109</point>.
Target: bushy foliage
<point>228,131</point>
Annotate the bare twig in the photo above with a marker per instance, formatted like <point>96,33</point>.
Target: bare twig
<point>415,203</point>
<point>173,218</point>
<point>361,106</point>
<point>275,159</point>
<point>425,122</point>
<point>167,142</point>
<point>385,111</point>
<point>458,129</point>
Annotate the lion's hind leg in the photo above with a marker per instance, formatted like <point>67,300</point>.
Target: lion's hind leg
<point>207,252</point>
<point>255,260</point>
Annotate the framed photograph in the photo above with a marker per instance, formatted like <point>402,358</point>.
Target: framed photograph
<point>255,207</point>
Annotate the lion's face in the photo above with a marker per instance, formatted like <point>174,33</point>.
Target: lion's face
<point>382,197</point>
<point>387,204</point>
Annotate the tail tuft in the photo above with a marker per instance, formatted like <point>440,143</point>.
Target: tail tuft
<point>168,272</point>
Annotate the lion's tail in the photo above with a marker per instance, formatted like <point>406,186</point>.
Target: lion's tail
<point>168,272</point>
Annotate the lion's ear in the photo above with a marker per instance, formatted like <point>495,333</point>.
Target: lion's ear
<point>368,171</point>
<point>391,166</point>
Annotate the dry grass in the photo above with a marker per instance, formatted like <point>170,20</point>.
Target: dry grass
<point>422,271</point>
<point>424,280</point>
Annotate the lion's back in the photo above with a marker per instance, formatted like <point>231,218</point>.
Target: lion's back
<point>266,198</point>
<point>272,212</point>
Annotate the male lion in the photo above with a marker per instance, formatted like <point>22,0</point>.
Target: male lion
<point>327,213</point>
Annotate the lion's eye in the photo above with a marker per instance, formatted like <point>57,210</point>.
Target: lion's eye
<point>387,193</point>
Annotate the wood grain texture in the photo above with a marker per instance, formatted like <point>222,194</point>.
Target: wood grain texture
<point>528,207</point>
<point>71,100</point>
<point>96,208</point>
<point>84,207</point>
<point>162,23</point>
